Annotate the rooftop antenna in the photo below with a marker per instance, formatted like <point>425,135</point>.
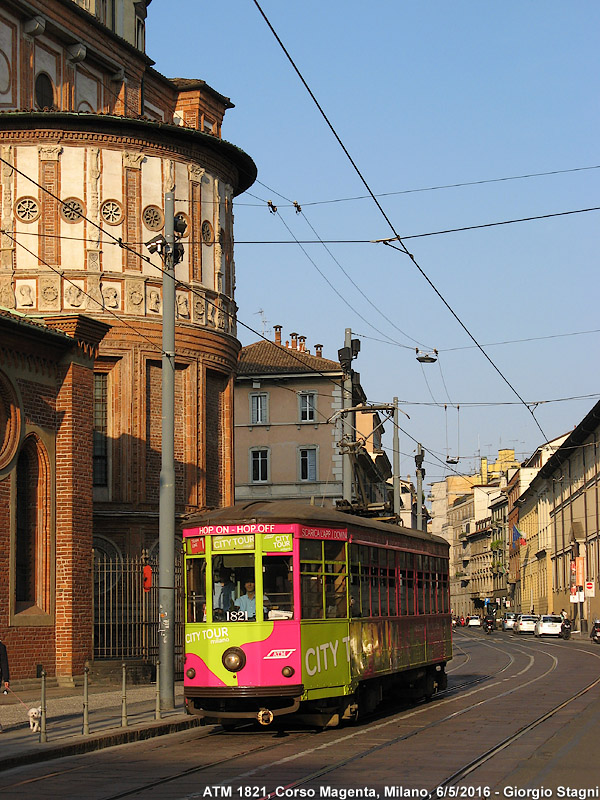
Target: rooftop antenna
<point>263,320</point>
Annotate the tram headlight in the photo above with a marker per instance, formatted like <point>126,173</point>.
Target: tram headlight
<point>287,672</point>
<point>191,672</point>
<point>234,659</point>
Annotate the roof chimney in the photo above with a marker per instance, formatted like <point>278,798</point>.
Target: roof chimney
<point>302,343</point>
<point>319,350</point>
<point>277,329</point>
<point>294,338</point>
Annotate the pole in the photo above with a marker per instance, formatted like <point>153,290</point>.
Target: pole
<point>347,426</point>
<point>124,696</point>
<point>419,462</point>
<point>396,464</point>
<point>166,524</point>
<point>86,703</point>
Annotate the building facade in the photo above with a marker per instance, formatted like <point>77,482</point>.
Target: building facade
<point>288,423</point>
<point>46,392</point>
<point>91,139</point>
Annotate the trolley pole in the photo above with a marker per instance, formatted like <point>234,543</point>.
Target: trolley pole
<point>420,474</point>
<point>166,524</point>
<point>396,462</point>
<point>347,425</point>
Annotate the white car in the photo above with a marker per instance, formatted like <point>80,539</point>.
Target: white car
<point>548,625</point>
<point>525,623</point>
<point>473,622</point>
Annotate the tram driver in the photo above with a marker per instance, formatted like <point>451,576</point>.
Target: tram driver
<point>247,602</point>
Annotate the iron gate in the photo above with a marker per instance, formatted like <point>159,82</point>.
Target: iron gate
<point>126,616</point>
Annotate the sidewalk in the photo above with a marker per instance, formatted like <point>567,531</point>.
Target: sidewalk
<point>64,721</point>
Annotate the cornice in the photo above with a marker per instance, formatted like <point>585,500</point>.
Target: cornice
<point>126,132</point>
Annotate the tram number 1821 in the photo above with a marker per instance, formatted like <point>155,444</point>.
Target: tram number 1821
<point>295,583</point>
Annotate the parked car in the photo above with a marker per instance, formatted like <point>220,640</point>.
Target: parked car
<point>473,622</point>
<point>508,620</point>
<point>525,623</point>
<point>548,625</point>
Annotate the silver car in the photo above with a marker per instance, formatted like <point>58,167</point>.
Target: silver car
<point>508,620</point>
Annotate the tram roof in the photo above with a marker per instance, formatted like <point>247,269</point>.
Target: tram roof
<point>282,511</point>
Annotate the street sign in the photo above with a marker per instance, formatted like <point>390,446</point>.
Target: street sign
<point>590,589</point>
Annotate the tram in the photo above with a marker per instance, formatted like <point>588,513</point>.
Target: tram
<point>297,610</point>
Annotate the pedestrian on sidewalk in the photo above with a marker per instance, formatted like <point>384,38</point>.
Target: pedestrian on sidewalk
<point>4,671</point>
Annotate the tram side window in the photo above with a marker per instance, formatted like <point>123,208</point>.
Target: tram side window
<point>365,581</point>
<point>355,607</point>
<point>277,585</point>
<point>311,578</point>
<point>196,589</point>
<point>323,579</point>
<point>427,590</point>
<point>393,584</point>
<point>408,607</point>
<point>334,554</point>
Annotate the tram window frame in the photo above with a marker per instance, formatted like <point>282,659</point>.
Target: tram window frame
<point>318,574</point>
<point>196,601</point>
<point>279,607</point>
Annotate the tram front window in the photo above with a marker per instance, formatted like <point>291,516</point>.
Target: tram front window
<point>196,590</point>
<point>277,585</point>
<point>233,588</point>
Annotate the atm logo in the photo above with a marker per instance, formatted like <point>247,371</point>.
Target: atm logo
<point>279,654</point>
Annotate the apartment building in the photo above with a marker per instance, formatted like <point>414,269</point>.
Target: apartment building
<point>288,429</point>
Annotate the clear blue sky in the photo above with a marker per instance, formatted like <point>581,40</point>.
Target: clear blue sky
<point>422,94</point>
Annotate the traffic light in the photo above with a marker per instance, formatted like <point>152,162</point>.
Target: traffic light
<point>147,577</point>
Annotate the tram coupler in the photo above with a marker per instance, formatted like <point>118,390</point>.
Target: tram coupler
<point>264,716</point>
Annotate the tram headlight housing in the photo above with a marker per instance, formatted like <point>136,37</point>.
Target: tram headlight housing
<point>288,671</point>
<point>191,672</point>
<point>234,659</point>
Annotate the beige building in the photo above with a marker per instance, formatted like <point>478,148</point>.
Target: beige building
<point>288,429</point>
<point>559,519</point>
<point>470,512</point>
<point>530,545</point>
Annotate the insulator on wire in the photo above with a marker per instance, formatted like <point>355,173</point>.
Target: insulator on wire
<point>298,207</point>
<point>272,208</point>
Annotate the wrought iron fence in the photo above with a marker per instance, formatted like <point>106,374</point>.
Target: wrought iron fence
<point>126,616</point>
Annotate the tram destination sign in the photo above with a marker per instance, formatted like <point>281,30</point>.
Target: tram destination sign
<point>324,533</point>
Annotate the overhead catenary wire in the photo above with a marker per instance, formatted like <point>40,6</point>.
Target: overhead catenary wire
<point>432,188</point>
<point>349,277</point>
<point>397,237</point>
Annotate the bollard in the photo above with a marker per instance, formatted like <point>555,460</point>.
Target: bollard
<point>43,735</point>
<point>157,711</point>
<point>124,698</point>
<point>86,718</point>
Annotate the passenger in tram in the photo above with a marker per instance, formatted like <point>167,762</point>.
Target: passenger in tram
<point>247,602</point>
<point>223,595</point>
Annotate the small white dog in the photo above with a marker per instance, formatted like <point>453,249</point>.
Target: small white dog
<point>35,715</point>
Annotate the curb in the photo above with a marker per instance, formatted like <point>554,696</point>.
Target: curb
<point>89,744</point>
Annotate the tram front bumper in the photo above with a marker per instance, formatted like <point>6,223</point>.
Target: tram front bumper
<point>261,703</point>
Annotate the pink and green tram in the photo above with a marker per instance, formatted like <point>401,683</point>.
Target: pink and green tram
<point>297,610</point>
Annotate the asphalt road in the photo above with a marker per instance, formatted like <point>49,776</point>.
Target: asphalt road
<point>521,719</point>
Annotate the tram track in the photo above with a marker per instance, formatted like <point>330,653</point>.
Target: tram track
<point>459,774</point>
<point>518,651</point>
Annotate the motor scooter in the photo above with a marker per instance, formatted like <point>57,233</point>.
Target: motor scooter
<point>488,626</point>
<point>595,634</point>
<point>565,629</point>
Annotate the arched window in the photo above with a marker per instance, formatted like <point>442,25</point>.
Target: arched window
<point>32,551</point>
<point>44,91</point>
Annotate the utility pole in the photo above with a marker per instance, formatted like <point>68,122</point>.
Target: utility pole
<point>347,424</point>
<point>166,523</point>
<point>420,475</point>
<point>396,462</point>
